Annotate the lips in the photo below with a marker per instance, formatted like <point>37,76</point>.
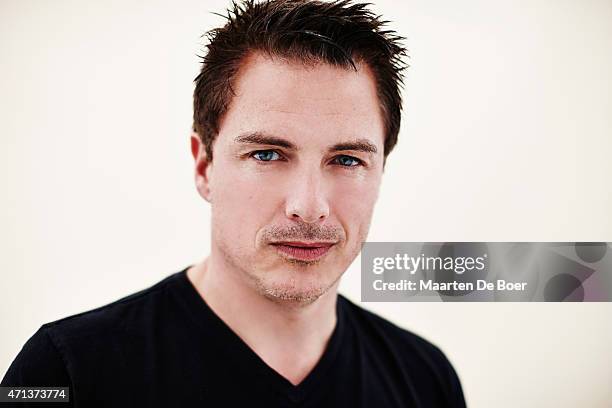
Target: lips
<point>304,251</point>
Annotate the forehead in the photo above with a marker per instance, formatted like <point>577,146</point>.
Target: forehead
<point>305,103</point>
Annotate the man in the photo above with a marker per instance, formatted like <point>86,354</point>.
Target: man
<point>295,110</point>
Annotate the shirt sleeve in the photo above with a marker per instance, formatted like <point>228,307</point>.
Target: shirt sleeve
<point>39,363</point>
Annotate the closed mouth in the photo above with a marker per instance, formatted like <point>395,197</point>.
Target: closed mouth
<point>305,251</point>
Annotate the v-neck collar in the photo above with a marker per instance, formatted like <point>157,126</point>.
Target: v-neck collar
<point>245,359</point>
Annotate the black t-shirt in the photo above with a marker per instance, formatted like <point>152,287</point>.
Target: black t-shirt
<point>164,347</point>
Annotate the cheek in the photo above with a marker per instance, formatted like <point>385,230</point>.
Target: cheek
<point>242,201</point>
<point>353,204</point>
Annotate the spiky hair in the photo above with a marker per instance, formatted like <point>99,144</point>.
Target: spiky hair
<point>340,33</point>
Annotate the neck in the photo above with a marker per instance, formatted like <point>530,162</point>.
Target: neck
<point>273,330</point>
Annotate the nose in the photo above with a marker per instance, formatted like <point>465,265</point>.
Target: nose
<point>306,200</point>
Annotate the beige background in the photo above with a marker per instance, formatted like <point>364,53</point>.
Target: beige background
<point>507,136</point>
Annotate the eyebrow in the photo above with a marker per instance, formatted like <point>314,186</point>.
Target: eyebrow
<point>362,145</point>
<point>260,138</point>
<point>263,139</point>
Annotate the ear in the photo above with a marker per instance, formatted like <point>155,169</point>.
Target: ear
<point>202,167</point>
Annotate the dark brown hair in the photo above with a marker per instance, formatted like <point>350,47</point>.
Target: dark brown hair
<point>337,33</point>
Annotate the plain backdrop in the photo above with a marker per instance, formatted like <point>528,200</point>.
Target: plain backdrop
<point>506,136</point>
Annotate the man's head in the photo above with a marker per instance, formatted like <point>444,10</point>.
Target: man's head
<point>295,110</point>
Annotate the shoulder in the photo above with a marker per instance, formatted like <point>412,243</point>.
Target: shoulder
<point>49,355</point>
<point>378,326</point>
<point>414,353</point>
<point>120,315</point>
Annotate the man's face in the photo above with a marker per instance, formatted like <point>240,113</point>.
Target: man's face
<point>295,174</point>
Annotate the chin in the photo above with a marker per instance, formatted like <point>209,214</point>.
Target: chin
<point>302,290</point>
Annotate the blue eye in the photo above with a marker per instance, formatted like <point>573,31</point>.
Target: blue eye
<point>347,161</point>
<point>266,155</point>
